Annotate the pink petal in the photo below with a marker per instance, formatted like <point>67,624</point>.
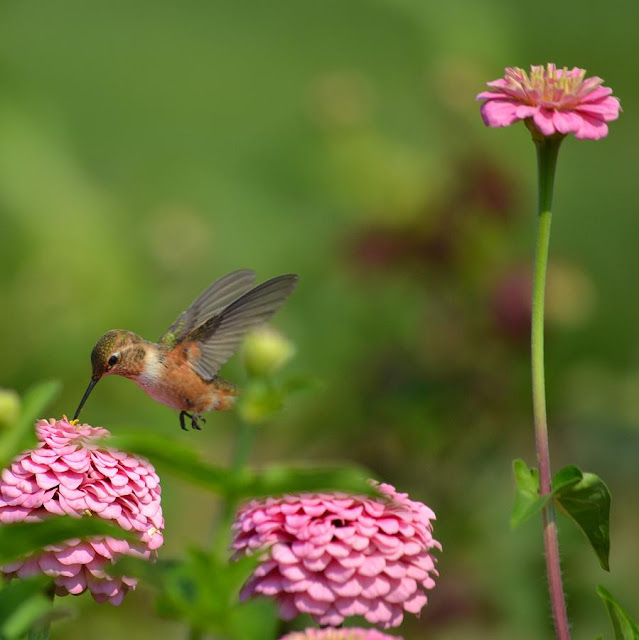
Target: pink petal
<point>566,121</point>
<point>81,554</point>
<point>591,128</point>
<point>402,591</point>
<point>543,121</point>
<point>318,590</point>
<point>377,587</point>
<point>306,604</point>
<point>349,589</point>
<point>348,607</point>
<point>415,603</point>
<point>373,566</point>
<point>499,113</point>
<point>47,480</point>
<point>282,553</point>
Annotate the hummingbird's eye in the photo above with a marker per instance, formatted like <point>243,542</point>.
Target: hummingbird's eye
<point>112,360</point>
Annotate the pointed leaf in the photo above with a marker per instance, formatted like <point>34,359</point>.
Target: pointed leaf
<point>22,435</point>
<point>185,462</point>
<point>622,623</point>
<point>527,499</point>
<point>277,480</point>
<point>21,538</point>
<point>587,502</point>
<point>567,477</point>
<point>176,458</point>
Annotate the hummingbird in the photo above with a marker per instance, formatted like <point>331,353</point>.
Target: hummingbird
<point>180,370</point>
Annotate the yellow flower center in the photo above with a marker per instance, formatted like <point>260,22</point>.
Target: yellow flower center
<point>549,86</point>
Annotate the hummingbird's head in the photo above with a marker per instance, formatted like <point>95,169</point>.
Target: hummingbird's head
<point>107,358</point>
<point>106,354</point>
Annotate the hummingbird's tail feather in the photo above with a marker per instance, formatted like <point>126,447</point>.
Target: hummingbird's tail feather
<point>220,335</point>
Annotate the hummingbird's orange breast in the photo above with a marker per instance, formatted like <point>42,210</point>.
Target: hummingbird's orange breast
<point>169,378</point>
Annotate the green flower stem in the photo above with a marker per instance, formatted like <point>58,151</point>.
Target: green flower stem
<point>547,150</point>
<point>41,630</point>
<point>243,445</point>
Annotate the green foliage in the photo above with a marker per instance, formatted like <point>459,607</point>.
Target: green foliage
<point>623,625</point>
<point>24,604</point>
<point>9,408</point>
<point>21,435</point>
<point>202,591</point>
<point>278,479</point>
<point>172,456</point>
<point>527,500</point>
<point>585,498</point>
<point>263,398</point>
<point>260,400</point>
<point>21,538</point>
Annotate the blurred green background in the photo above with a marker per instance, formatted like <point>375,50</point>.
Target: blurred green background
<point>148,147</point>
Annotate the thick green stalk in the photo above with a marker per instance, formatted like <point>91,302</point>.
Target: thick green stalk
<point>547,150</point>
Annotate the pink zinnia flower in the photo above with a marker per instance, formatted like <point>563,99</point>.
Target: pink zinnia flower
<point>335,555</point>
<point>557,101</point>
<point>351,633</point>
<point>70,473</point>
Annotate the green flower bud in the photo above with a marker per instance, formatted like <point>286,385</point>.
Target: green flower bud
<point>266,351</point>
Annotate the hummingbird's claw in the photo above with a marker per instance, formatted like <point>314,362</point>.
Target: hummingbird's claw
<point>195,420</point>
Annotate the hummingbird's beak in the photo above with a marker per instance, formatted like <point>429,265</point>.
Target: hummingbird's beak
<point>92,384</point>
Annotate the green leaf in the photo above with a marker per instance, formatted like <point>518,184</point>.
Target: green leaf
<point>177,458</point>
<point>21,538</point>
<point>586,499</point>
<point>276,480</point>
<point>567,477</point>
<point>22,435</point>
<point>203,591</point>
<point>253,620</point>
<point>622,623</point>
<point>527,499</point>
<point>183,461</point>
<point>22,603</point>
<point>25,604</point>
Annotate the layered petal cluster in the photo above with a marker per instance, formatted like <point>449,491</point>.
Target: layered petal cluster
<point>337,555</point>
<point>71,473</point>
<point>351,633</point>
<point>556,101</point>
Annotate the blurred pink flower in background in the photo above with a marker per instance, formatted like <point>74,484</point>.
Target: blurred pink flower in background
<point>71,473</point>
<point>352,633</point>
<point>336,555</point>
<point>559,101</point>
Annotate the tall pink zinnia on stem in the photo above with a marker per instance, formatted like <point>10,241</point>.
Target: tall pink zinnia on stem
<point>336,555</point>
<point>552,102</point>
<point>71,473</point>
<point>555,101</point>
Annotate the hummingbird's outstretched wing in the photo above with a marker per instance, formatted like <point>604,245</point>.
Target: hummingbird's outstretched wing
<point>209,303</point>
<point>218,337</point>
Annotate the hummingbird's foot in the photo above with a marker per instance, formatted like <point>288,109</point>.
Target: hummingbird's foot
<point>195,421</point>
<point>194,418</point>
